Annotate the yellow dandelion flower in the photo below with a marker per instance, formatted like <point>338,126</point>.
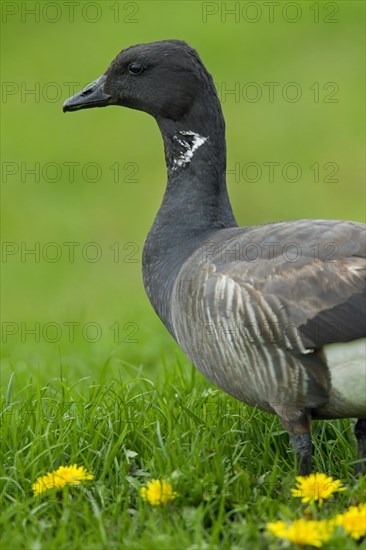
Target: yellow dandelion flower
<point>277,528</point>
<point>302,532</point>
<point>353,521</point>
<point>316,487</point>
<point>64,475</point>
<point>158,492</point>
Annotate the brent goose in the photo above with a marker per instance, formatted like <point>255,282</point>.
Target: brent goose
<point>273,314</point>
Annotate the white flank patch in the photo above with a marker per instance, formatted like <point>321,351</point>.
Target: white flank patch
<point>186,156</point>
<point>347,365</point>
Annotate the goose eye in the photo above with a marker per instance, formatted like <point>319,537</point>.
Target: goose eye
<point>135,68</point>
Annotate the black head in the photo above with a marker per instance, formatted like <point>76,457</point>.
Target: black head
<point>164,79</point>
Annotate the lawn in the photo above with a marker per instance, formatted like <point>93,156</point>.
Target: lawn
<point>89,375</point>
<point>231,465</point>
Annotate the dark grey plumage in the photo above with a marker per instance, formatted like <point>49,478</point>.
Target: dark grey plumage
<point>262,311</point>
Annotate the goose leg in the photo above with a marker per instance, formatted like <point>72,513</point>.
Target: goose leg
<point>303,449</point>
<point>360,433</point>
<point>298,426</point>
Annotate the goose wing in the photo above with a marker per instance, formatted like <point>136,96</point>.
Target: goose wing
<point>306,278</point>
<point>279,293</point>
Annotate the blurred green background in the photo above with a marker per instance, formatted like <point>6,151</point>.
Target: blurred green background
<point>316,45</point>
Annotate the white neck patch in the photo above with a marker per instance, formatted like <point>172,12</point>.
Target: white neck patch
<point>189,148</point>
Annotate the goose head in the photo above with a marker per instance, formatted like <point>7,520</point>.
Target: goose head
<point>164,79</point>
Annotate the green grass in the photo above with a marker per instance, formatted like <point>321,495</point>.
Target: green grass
<point>231,464</point>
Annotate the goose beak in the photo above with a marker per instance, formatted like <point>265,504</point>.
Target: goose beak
<point>92,95</point>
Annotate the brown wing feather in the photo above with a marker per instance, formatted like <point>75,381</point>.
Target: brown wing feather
<point>322,294</point>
